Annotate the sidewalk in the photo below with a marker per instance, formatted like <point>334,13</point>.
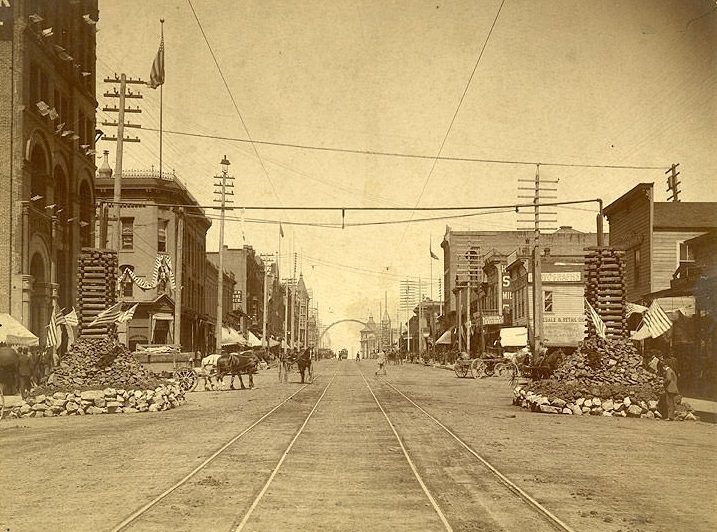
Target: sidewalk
<point>705,410</point>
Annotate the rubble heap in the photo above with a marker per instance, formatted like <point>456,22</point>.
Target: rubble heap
<point>601,378</point>
<point>600,362</point>
<point>107,401</point>
<point>100,363</point>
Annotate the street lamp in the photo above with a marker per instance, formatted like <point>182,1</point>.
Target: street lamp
<point>220,281</point>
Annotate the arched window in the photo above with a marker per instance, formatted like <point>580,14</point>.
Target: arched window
<point>127,284</point>
<point>38,177</point>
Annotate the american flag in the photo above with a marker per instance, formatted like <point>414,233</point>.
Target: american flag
<point>108,316</point>
<point>53,337</point>
<point>599,325</point>
<point>656,321</point>
<point>156,77</point>
<point>71,318</point>
<point>632,308</point>
<point>127,314</point>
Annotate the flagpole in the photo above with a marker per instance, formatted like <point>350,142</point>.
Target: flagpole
<point>161,105</point>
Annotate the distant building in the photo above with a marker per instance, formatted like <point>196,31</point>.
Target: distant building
<point>148,233</point>
<point>47,160</point>
<point>562,298</point>
<point>369,338</point>
<point>480,257</point>
<point>655,237</point>
<point>248,269</point>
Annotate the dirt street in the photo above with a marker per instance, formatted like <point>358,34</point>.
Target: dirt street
<point>347,470</point>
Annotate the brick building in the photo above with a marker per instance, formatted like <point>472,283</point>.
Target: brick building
<point>47,164</point>
<point>149,231</point>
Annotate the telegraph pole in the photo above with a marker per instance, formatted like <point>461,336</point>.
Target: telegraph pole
<point>672,183</point>
<point>223,182</point>
<point>537,195</point>
<point>178,258</point>
<point>123,94</point>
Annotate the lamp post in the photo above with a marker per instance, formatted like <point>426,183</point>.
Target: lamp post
<point>222,192</point>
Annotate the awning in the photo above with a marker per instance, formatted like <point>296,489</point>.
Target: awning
<point>514,336</point>
<point>446,338</point>
<point>231,336</point>
<point>252,340</point>
<point>12,332</point>
<point>273,343</point>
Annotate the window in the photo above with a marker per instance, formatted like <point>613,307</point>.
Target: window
<point>686,254</point>
<point>127,284</point>
<point>638,264</point>
<point>548,301</point>
<point>162,235</point>
<point>127,233</point>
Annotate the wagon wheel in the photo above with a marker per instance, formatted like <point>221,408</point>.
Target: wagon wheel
<point>513,374</point>
<point>477,368</point>
<point>187,379</point>
<point>459,370</point>
<point>502,369</point>
<point>489,369</point>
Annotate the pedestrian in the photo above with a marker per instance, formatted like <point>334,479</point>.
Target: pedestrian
<point>24,372</point>
<point>358,356</point>
<point>381,362</point>
<point>197,361</point>
<point>670,384</point>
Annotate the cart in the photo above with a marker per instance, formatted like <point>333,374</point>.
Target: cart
<point>465,367</point>
<point>167,361</point>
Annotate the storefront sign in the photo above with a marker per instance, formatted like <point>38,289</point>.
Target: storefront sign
<point>558,277</point>
<point>492,320</point>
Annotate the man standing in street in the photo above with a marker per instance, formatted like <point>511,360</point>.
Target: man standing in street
<point>671,390</point>
<point>381,362</point>
<point>24,371</point>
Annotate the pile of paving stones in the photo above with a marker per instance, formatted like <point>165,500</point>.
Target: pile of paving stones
<point>106,401</point>
<point>100,363</point>
<point>598,361</point>
<point>601,378</point>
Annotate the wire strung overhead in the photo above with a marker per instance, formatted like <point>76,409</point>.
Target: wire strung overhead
<point>405,155</point>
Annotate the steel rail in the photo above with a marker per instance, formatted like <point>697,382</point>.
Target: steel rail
<point>138,513</point>
<point>258,498</point>
<point>438,510</point>
<point>552,518</point>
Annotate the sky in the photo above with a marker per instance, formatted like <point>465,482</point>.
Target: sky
<point>605,82</point>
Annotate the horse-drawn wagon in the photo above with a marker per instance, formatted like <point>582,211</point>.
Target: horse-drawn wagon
<point>299,362</point>
<point>168,362</point>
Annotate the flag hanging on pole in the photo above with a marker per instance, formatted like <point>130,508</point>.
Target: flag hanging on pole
<point>281,230</point>
<point>433,255</point>
<point>128,314</point>
<point>53,338</point>
<point>156,76</point>
<point>71,318</point>
<point>656,320</point>
<point>108,316</point>
<point>632,308</point>
<point>599,325</point>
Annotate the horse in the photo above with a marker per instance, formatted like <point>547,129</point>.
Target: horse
<point>207,370</point>
<point>304,363</point>
<point>302,360</point>
<point>237,364</point>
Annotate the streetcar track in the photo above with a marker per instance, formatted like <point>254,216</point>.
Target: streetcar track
<point>258,498</point>
<point>437,508</point>
<point>144,509</point>
<point>525,497</point>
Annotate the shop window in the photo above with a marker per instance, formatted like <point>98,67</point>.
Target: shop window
<point>548,301</point>
<point>127,233</point>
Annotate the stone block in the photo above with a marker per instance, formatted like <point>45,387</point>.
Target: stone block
<point>92,395</point>
<point>634,411</point>
<point>567,410</point>
<point>588,403</point>
<point>71,406</point>
<point>130,410</point>
<point>558,403</point>
<point>608,405</point>
<point>100,402</point>
<point>580,402</point>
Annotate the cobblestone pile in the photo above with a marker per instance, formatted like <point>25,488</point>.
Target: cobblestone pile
<point>595,406</point>
<point>598,362</point>
<point>106,401</point>
<point>100,363</point>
